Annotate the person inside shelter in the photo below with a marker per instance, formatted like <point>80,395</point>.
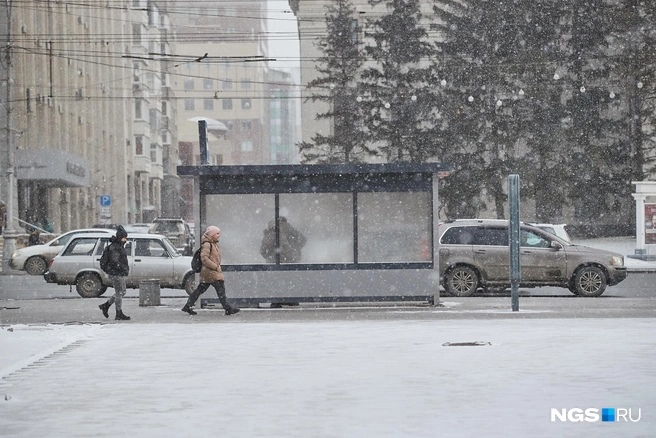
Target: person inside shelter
<point>292,242</point>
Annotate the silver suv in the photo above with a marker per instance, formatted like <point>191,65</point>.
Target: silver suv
<point>474,253</point>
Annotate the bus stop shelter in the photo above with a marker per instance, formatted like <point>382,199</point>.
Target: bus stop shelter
<point>323,233</point>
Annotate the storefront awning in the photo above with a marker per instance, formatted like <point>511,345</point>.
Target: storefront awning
<point>52,167</point>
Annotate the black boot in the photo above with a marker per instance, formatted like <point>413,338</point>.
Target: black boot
<point>232,311</point>
<point>189,310</point>
<point>120,316</point>
<point>105,309</point>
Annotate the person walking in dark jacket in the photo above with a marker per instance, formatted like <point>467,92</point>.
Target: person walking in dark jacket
<point>211,273</point>
<point>117,268</point>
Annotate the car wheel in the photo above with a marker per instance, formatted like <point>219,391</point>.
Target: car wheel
<point>89,285</point>
<point>36,265</point>
<point>590,281</point>
<point>572,288</point>
<point>461,281</point>
<point>189,283</point>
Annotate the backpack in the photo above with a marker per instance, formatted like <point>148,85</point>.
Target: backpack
<point>196,263</point>
<point>104,260</point>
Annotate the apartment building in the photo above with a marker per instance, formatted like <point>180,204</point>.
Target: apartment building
<point>153,185</point>
<point>224,47</point>
<point>67,124</point>
<point>281,93</point>
<point>84,137</point>
<point>222,78</point>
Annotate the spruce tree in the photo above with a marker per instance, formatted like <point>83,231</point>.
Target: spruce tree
<point>339,67</point>
<point>484,108</point>
<point>396,86</point>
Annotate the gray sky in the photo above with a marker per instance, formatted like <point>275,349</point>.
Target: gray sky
<point>283,35</point>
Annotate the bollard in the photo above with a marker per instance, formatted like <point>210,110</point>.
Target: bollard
<point>149,293</point>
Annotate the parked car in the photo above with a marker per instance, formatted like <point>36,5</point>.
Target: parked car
<point>475,253</point>
<point>141,228</point>
<point>150,256</point>
<point>178,232</point>
<point>128,228</point>
<point>35,259</point>
<point>555,229</point>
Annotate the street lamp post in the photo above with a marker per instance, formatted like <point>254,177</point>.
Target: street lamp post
<point>7,142</point>
<point>9,233</point>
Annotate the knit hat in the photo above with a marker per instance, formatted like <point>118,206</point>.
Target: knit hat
<point>211,230</point>
<point>121,233</point>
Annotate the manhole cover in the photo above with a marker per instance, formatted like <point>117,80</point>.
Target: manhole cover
<point>466,344</point>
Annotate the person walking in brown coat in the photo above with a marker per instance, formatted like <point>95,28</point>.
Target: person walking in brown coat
<point>211,273</point>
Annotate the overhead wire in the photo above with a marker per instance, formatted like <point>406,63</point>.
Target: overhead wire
<point>79,55</point>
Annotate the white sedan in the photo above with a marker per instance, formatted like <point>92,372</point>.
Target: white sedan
<point>150,256</point>
<point>35,259</point>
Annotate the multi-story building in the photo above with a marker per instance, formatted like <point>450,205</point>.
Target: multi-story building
<point>153,184</point>
<point>66,123</point>
<point>222,78</point>
<point>282,93</point>
<point>86,129</point>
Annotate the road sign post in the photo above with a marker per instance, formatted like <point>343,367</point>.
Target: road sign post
<point>105,202</point>
<point>513,235</point>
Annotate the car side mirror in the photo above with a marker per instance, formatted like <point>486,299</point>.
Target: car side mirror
<point>556,245</point>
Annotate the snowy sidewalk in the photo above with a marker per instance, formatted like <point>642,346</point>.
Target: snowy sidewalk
<point>326,379</point>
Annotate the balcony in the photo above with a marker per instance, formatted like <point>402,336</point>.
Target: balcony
<point>156,171</point>
<point>142,164</point>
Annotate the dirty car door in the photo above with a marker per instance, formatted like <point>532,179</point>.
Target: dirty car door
<point>491,253</point>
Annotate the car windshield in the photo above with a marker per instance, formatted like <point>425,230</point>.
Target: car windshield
<point>171,248</point>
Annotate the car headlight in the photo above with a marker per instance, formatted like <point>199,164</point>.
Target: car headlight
<point>617,261</point>
<point>16,254</point>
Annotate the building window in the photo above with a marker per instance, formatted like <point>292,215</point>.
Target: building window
<point>189,84</point>
<point>227,84</point>
<point>189,104</point>
<point>137,75</point>
<point>245,84</point>
<point>137,109</point>
<point>138,144</point>
<point>208,104</point>
<point>164,109</point>
<point>153,152</point>
<point>136,33</point>
<point>227,104</point>
<point>246,104</point>
<point>28,100</point>
<point>247,145</point>
<point>208,84</point>
<point>246,125</point>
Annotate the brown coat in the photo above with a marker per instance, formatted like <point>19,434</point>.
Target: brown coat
<point>210,256</point>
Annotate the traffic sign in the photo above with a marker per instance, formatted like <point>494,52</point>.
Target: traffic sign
<point>105,200</point>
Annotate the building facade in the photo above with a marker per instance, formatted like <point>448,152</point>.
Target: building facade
<point>223,78</point>
<point>84,138</point>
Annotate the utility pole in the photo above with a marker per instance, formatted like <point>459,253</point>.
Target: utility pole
<point>7,132</point>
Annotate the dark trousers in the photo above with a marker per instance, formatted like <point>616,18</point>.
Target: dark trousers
<point>219,286</point>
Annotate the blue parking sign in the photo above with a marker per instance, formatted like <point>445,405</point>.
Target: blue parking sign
<point>105,200</point>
